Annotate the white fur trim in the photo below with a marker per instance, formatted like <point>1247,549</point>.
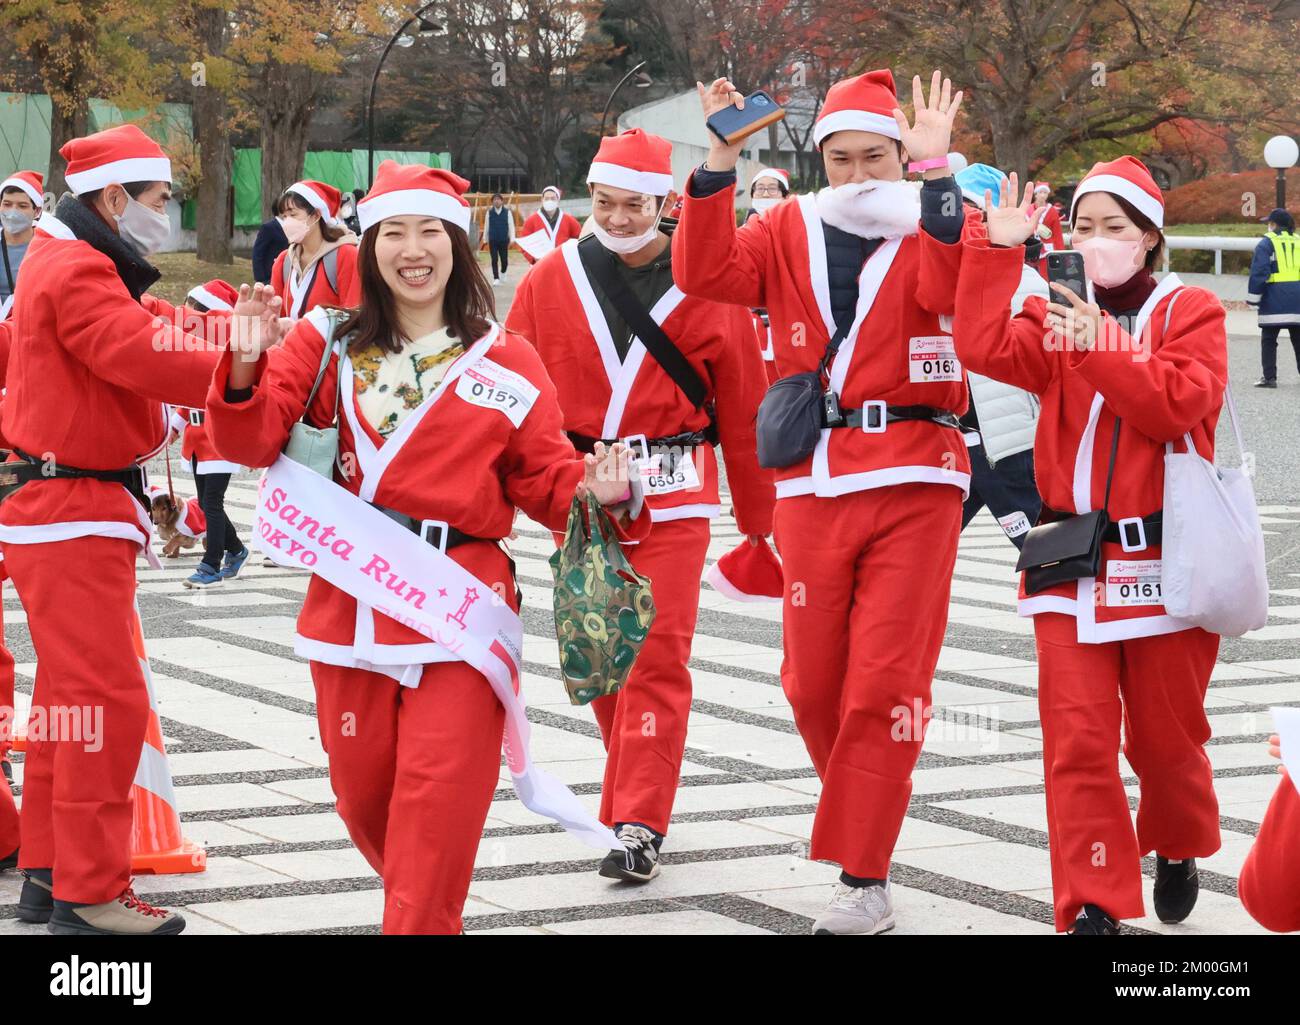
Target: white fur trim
<point>719,582</point>
<point>200,294</point>
<point>684,512</point>
<point>1146,203</point>
<point>55,228</point>
<point>412,202</point>
<point>121,172</point>
<point>26,186</point>
<point>315,199</point>
<point>619,177</point>
<point>854,121</point>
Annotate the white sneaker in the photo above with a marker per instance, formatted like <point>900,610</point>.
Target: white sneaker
<point>857,911</point>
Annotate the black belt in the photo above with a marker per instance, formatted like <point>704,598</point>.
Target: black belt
<point>15,475</point>
<point>875,415</point>
<point>1126,532</point>
<point>438,533</point>
<point>585,443</point>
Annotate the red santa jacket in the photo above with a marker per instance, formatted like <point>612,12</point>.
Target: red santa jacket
<point>778,261</point>
<point>196,446</point>
<point>89,374</point>
<point>311,289</point>
<point>1169,386</point>
<point>1270,879</point>
<point>602,396</point>
<point>458,457</point>
<point>566,227</point>
<point>1052,220</point>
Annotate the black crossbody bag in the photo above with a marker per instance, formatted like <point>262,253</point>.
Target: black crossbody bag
<point>1067,549</point>
<point>792,412</point>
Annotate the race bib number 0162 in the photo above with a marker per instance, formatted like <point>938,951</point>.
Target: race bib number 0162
<point>492,386</point>
<point>1133,583</point>
<point>932,359</point>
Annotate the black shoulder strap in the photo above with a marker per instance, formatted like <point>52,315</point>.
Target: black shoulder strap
<point>4,249</point>
<point>599,264</point>
<point>1110,470</point>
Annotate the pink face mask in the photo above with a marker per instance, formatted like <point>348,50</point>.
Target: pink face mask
<point>294,229</point>
<point>1109,262</point>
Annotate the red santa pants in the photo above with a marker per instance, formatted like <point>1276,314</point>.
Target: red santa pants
<point>76,813</point>
<point>413,770</point>
<point>867,577</point>
<point>8,810</point>
<point>1155,687</point>
<point>644,724</point>
<point>1270,878</point>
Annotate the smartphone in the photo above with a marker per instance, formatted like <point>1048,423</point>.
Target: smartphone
<point>731,124</point>
<point>1065,267</point>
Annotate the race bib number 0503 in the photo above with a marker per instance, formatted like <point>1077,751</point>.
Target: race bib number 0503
<point>931,359</point>
<point>492,386</point>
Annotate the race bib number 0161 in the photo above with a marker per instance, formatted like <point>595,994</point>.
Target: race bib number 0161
<point>492,386</point>
<point>1133,583</point>
<point>932,359</point>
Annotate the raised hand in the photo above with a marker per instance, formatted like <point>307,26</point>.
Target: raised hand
<point>606,476</point>
<point>1010,223</point>
<point>1078,323</point>
<point>713,98</point>
<point>930,133</point>
<point>255,324</point>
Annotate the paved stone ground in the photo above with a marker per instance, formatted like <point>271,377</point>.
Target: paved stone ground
<point>252,786</point>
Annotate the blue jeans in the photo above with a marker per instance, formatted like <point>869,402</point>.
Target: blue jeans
<point>1007,489</point>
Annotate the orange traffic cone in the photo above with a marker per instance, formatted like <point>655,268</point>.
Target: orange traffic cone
<point>157,844</point>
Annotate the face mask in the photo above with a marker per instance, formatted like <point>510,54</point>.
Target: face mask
<point>630,244</point>
<point>146,229</point>
<point>763,204</point>
<point>15,221</point>
<point>1108,261</point>
<point>550,206</point>
<point>294,230</point>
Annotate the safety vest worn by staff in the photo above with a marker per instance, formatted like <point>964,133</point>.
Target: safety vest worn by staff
<point>1286,247</point>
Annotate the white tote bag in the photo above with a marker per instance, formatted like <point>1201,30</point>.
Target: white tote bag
<point>1212,572</point>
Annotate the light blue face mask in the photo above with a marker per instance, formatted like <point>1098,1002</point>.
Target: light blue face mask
<point>15,221</point>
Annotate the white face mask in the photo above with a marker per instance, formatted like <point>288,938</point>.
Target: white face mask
<point>762,204</point>
<point>15,221</point>
<point>550,205</point>
<point>146,229</point>
<point>295,230</point>
<point>630,244</point>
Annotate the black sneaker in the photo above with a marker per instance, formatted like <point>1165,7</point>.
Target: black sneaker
<point>638,861</point>
<point>1177,887</point>
<point>1266,382</point>
<point>1092,921</point>
<point>36,901</point>
<point>9,861</point>
<point>7,768</point>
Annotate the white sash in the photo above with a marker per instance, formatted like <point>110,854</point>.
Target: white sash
<point>304,520</point>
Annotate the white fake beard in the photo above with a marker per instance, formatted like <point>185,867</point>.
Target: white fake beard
<point>872,209</point>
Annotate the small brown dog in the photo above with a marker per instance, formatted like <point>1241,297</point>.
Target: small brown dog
<point>166,516</point>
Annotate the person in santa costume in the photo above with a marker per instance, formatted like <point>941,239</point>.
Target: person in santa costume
<point>857,281</point>
<point>1122,372</point>
<point>1049,234</point>
<point>320,266</point>
<point>20,207</point>
<point>550,226</point>
<point>1269,883</point>
<point>766,189</point>
<point>8,809</point>
<point>679,403</point>
<point>224,554</point>
<point>90,371</point>
<point>448,423</point>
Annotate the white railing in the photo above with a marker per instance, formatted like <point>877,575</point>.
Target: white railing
<point>1217,244</point>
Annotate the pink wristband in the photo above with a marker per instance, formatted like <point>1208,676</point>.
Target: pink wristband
<point>626,496</point>
<point>926,165</point>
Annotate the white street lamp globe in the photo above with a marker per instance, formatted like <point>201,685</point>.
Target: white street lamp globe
<point>1281,151</point>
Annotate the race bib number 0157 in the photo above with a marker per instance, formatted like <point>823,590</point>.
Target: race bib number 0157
<point>492,386</point>
<point>1133,583</point>
<point>932,359</point>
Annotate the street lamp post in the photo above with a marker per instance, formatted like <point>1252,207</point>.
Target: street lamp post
<point>643,82</point>
<point>426,29</point>
<point>1281,152</point>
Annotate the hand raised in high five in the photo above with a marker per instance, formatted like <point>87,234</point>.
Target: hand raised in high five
<point>1010,223</point>
<point>713,98</point>
<point>930,133</point>
<point>255,324</point>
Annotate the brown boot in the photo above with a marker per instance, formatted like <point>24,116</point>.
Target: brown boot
<point>127,915</point>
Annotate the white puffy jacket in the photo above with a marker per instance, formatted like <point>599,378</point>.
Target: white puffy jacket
<point>1008,415</point>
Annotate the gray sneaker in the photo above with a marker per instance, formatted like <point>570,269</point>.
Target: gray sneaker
<point>127,915</point>
<point>856,911</point>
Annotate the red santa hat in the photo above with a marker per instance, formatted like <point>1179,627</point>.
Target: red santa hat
<point>635,161</point>
<point>748,573</point>
<point>30,182</point>
<point>777,173</point>
<point>862,104</point>
<point>215,295</point>
<point>323,198</point>
<point>402,189</point>
<point>115,156</point>
<point>1128,178</point>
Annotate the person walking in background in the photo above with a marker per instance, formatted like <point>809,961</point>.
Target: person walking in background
<point>550,225</point>
<point>1274,290</point>
<point>499,230</point>
<point>271,241</point>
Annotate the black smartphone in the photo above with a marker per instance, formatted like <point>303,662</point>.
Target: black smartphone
<point>730,124</point>
<point>1065,267</point>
